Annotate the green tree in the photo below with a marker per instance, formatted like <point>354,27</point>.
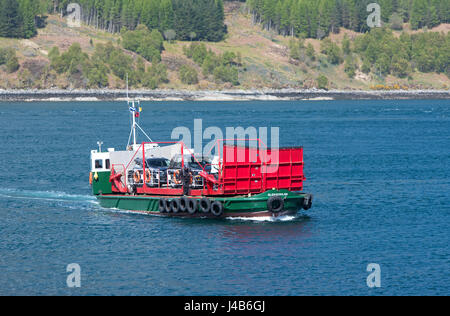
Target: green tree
<point>419,13</point>
<point>28,13</point>
<point>225,67</point>
<point>97,74</point>
<point>196,51</point>
<point>12,65</point>
<point>156,75</point>
<point>120,64</point>
<point>227,74</point>
<point>170,35</point>
<point>209,64</point>
<point>192,35</point>
<point>350,67</point>
<point>188,75</point>
<point>383,65</point>
<point>147,44</point>
<point>400,67</point>
<point>332,51</point>
<point>396,21</point>
<point>322,82</point>
<point>10,19</point>
<point>346,46</point>
<point>297,49</point>
<point>166,15</point>
<point>366,67</point>
<point>9,58</point>
<point>311,52</point>
<point>71,61</point>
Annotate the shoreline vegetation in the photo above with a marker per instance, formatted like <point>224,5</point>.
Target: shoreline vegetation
<point>56,95</point>
<point>224,50</point>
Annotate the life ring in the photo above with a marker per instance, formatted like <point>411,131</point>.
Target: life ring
<point>148,176</point>
<point>217,208</point>
<point>205,205</point>
<point>176,177</point>
<point>137,176</point>
<point>275,204</point>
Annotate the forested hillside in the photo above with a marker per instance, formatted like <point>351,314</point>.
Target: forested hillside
<point>185,19</point>
<point>19,18</point>
<point>204,19</point>
<point>210,44</point>
<point>317,18</point>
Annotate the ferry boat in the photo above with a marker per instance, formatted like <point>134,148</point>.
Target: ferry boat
<point>169,179</point>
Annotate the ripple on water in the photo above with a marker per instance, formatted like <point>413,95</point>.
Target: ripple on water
<point>378,171</point>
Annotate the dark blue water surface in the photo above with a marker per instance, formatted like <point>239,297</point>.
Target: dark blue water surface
<point>379,170</point>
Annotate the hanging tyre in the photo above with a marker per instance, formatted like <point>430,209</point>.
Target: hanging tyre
<point>205,205</point>
<point>217,208</point>
<point>307,202</point>
<point>175,206</point>
<point>162,205</point>
<point>192,206</point>
<point>184,204</point>
<point>167,206</point>
<point>275,204</point>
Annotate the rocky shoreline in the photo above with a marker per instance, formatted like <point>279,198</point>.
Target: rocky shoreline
<point>225,95</point>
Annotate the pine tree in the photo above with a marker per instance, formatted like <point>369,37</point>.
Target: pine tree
<point>166,15</point>
<point>419,12</point>
<point>302,25</point>
<point>386,9</point>
<point>10,19</point>
<point>28,16</point>
<point>432,18</point>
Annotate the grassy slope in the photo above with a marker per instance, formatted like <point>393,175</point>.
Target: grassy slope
<point>265,56</point>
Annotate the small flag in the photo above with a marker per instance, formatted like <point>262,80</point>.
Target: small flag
<point>132,109</point>
<point>140,109</point>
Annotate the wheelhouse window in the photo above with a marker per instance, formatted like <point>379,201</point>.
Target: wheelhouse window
<point>107,164</point>
<point>99,164</point>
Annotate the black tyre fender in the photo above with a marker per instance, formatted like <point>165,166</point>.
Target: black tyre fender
<point>217,208</point>
<point>307,202</point>
<point>167,205</point>
<point>162,205</point>
<point>205,205</point>
<point>175,205</point>
<point>184,204</point>
<point>275,204</point>
<point>192,206</point>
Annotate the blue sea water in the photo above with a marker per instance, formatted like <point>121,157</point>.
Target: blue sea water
<point>379,171</point>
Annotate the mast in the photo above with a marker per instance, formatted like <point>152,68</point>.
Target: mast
<point>132,109</point>
<point>135,112</point>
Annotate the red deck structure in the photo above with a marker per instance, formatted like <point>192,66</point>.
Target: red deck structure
<point>261,170</point>
<point>241,171</point>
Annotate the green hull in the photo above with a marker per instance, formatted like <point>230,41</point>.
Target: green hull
<point>102,184</point>
<point>242,206</point>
